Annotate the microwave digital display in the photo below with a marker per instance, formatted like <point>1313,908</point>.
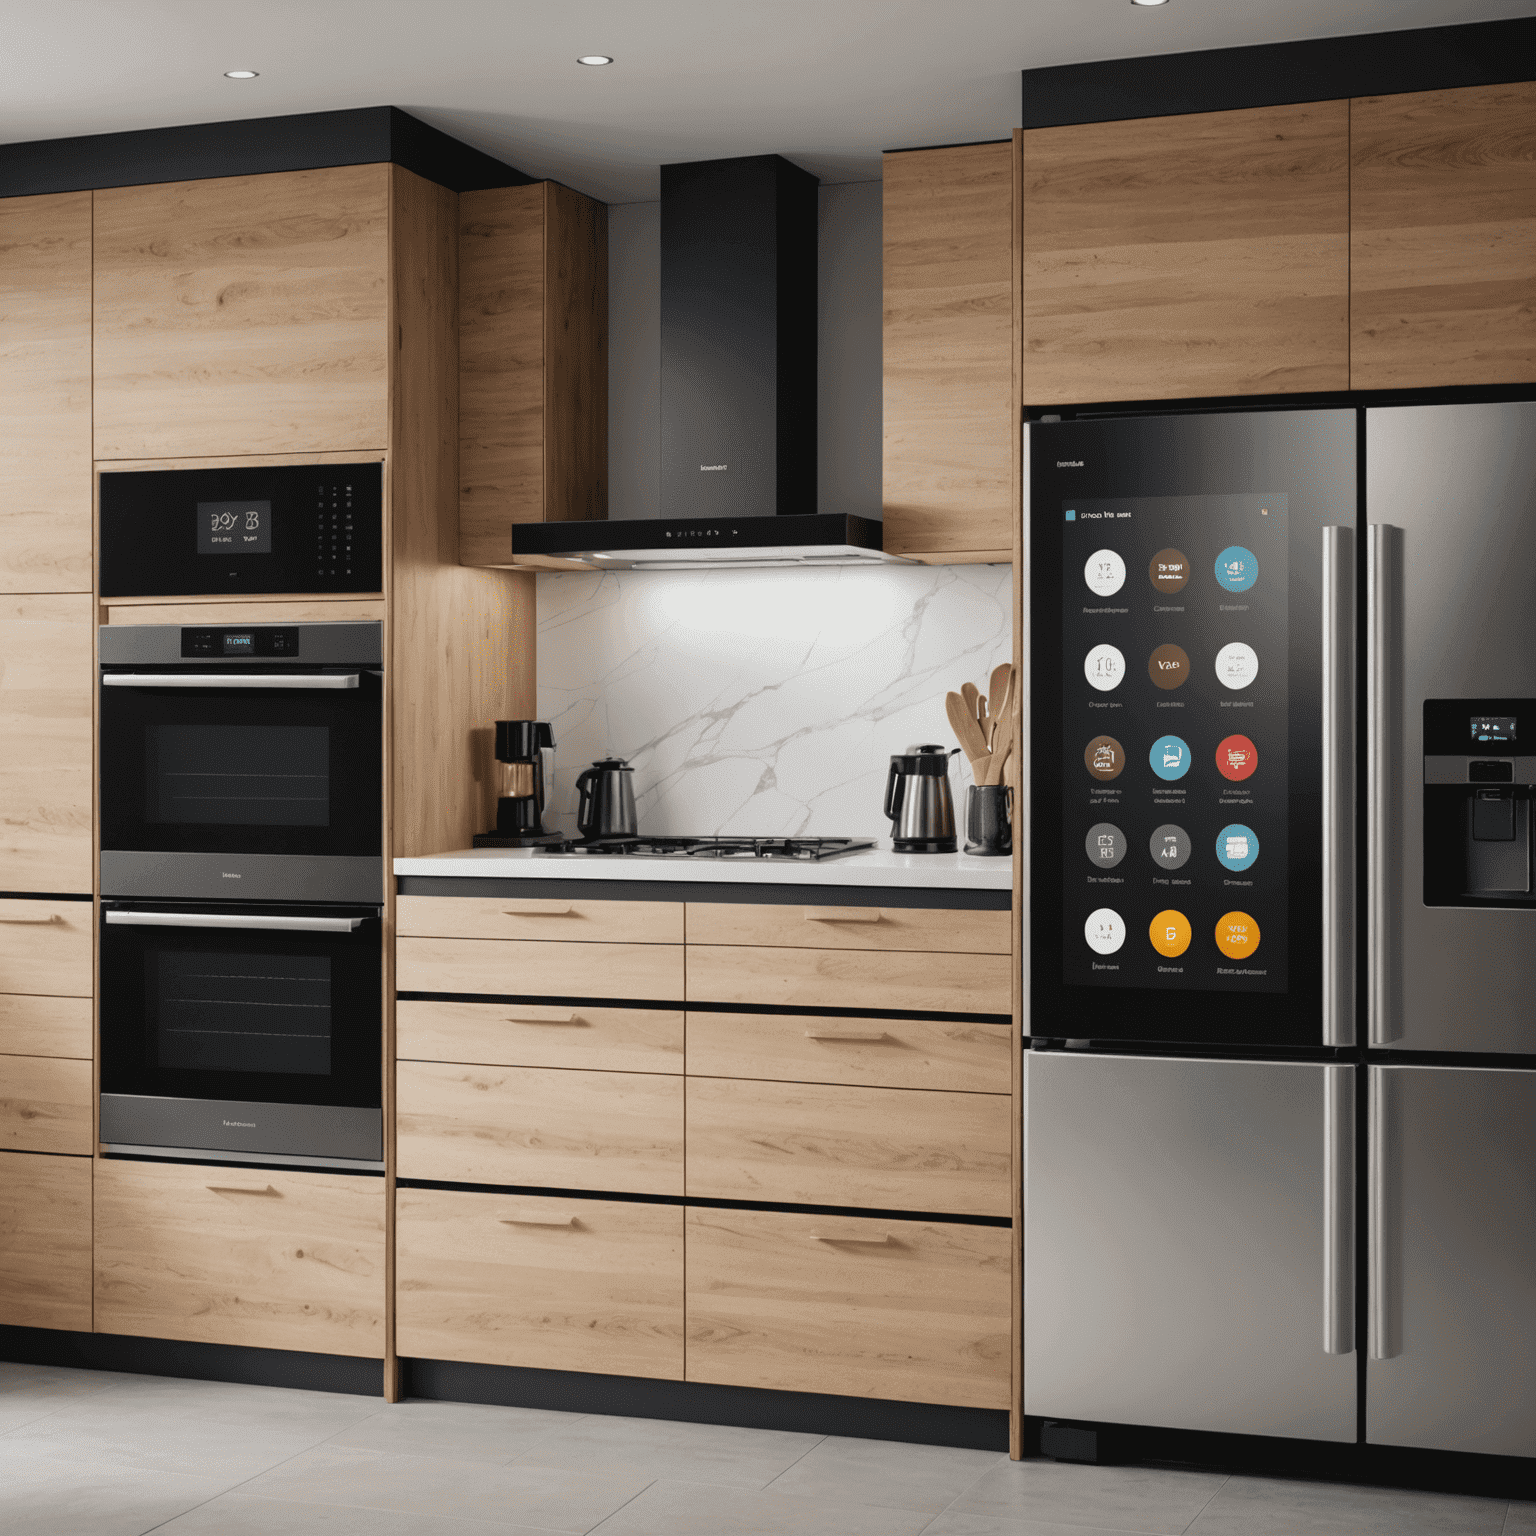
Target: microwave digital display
<point>234,527</point>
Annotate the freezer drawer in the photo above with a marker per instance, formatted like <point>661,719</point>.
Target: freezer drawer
<point>1452,1294</point>
<point>1188,1244</point>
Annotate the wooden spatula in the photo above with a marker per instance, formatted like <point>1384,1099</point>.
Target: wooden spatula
<point>975,703</point>
<point>967,728</point>
<point>1002,744</point>
<point>997,690</point>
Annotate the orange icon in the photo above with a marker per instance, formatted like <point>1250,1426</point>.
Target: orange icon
<point>1237,935</point>
<point>1170,933</point>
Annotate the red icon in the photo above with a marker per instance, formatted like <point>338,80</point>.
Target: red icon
<point>1236,758</point>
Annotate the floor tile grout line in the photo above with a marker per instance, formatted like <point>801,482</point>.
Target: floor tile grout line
<point>784,1471</point>
<point>625,1505</point>
<point>1216,1490</point>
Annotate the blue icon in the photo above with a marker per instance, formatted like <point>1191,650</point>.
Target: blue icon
<point>1169,757</point>
<point>1237,568</point>
<point>1071,517</point>
<point>1237,846</point>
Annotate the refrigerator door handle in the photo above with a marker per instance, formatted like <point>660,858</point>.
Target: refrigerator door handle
<point>1338,786</point>
<point>1378,1290</point>
<point>1339,1210</point>
<point>1384,628</point>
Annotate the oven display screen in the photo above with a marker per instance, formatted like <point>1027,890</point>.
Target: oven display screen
<point>234,527</point>
<point>1493,728</point>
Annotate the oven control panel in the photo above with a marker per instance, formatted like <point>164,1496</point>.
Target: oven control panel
<point>265,640</point>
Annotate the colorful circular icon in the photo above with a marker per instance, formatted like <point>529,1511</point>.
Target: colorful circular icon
<point>1104,845</point>
<point>1236,758</point>
<point>1237,847</point>
<point>1237,568</point>
<point>1170,933</point>
<point>1104,758</point>
<point>1168,570</point>
<point>1104,931</point>
<point>1169,757</point>
<point>1168,666</point>
<point>1169,846</point>
<point>1237,665</point>
<point>1237,935</point>
<point>1104,667</point>
<point>1104,571</point>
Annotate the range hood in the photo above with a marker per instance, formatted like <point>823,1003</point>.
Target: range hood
<point>738,388</point>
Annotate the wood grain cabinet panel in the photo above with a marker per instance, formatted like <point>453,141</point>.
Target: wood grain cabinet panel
<point>531,968</point>
<point>1187,256</point>
<point>888,1149</point>
<point>558,1285</point>
<point>45,1105</point>
<point>45,393</point>
<point>45,1241</point>
<point>243,315</point>
<point>525,917</point>
<point>618,1131</point>
<point>46,681</point>
<point>45,947</point>
<point>835,927</point>
<point>858,1306</point>
<point>1443,237</point>
<point>871,981</point>
<point>227,1255</point>
<point>956,1055</point>
<point>947,329</point>
<point>45,1026</point>
<point>537,1035</point>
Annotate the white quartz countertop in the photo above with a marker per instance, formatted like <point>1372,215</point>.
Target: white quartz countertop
<point>871,866</point>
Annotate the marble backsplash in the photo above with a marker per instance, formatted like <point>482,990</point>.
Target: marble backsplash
<point>761,703</point>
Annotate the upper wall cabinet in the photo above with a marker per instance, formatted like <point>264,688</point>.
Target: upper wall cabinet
<point>45,393</point>
<point>247,314</point>
<point>948,326</point>
<point>1443,238</point>
<point>1187,256</point>
<point>533,363</point>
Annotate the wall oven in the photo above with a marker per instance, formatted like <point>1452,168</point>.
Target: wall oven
<point>242,1031</point>
<point>242,763</point>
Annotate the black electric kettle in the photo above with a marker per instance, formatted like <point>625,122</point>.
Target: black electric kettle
<point>918,801</point>
<point>607,805</point>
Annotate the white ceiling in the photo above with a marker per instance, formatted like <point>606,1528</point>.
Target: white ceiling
<point>829,83</point>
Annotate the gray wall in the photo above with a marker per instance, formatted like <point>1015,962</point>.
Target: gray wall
<point>848,372</point>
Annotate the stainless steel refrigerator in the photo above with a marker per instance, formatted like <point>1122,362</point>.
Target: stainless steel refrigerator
<point>1281,1083</point>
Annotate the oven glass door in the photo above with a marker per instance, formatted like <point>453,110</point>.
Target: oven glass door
<point>271,1005</point>
<point>195,764</point>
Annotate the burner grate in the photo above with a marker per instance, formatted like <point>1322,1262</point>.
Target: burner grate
<point>802,848</point>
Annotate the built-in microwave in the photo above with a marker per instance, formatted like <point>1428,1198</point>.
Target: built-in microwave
<point>247,529</point>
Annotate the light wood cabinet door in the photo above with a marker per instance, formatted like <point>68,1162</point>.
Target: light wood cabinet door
<point>947,330</point>
<point>531,968</point>
<point>858,1306</point>
<point>45,1241</point>
<point>612,1131</point>
<point>538,917</point>
<point>539,1035</point>
<point>45,1026</point>
<point>834,927</point>
<point>1443,237</point>
<point>45,947</point>
<point>45,1105</point>
<point>1175,257</point>
<point>555,1285</point>
<point>892,1149</point>
<point>229,1255</point>
<point>243,315</point>
<point>45,393</point>
<point>46,679</point>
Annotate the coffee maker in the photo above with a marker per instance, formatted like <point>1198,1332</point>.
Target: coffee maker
<point>525,768</point>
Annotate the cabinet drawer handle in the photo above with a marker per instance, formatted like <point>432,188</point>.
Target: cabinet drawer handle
<point>861,1035</point>
<point>875,1239</point>
<point>842,914</point>
<point>241,1189</point>
<point>532,908</point>
<point>31,922</point>
<point>537,1221</point>
<point>544,1016</point>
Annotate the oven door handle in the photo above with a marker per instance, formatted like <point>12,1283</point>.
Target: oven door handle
<point>228,680</point>
<point>234,920</point>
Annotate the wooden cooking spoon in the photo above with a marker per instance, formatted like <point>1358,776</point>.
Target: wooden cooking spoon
<point>967,728</point>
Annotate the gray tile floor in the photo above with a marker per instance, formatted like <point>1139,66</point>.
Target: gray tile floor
<point>90,1453</point>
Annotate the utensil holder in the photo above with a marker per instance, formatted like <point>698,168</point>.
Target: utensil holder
<point>989,820</point>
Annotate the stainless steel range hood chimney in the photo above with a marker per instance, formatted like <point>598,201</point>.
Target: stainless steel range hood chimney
<point>738,387</point>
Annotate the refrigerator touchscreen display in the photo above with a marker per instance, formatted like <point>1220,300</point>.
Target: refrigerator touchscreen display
<point>1174,772</point>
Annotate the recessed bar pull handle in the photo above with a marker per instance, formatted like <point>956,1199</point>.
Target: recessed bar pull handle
<point>874,1239</point>
<point>31,922</point>
<point>233,920</point>
<point>1378,1291</point>
<point>1338,787</point>
<point>535,908</point>
<point>241,1189</point>
<point>846,1034</point>
<point>842,914</point>
<point>1339,1210</point>
<point>537,1221</point>
<point>229,680</point>
<point>544,1016</point>
<point>1383,561</point>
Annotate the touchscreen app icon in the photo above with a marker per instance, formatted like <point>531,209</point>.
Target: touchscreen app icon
<point>1237,665</point>
<point>1169,846</point>
<point>1169,757</point>
<point>1104,758</point>
<point>1170,933</point>
<point>1168,666</point>
<point>1237,846</point>
<point>1104,667</point>
<point>1168,570</point>
<point>1236,758</point>
<point>1104,845</point>
<point>1237,935</point>
<point>1104,573</point>
<point>1104,931</point>
<point>1237,568</point>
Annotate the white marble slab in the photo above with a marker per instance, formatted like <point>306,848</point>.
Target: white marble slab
<point>761,703</point>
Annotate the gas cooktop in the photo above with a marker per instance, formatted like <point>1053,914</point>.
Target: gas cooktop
<point>805,848</point>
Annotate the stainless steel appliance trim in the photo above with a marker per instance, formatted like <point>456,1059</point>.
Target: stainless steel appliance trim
<point>1378,1291</point>
<point>1383,625</point>
<point>299,879</point>
<point>228,680</point>
<point>213,1155</point>
<point>329,642</point>
<point>234,920</point>
<point>1338,787</point>
<point>204,1127</point>
<point>1339,1210</point>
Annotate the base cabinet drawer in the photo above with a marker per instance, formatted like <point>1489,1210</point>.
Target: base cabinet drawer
<point>862,1307</point>
<point>45,947</point>
<point>529,968</point>
<point>45,1241</point>
<point>45,1105</point>
<point>536,917</point>
<point>560,1285</point>
<point>45,1026</point>
<point>619,1131</point>
<point>894,1149</point>
<point>228,1255</point>
<point>796,926</point>
<point>535,1035</point>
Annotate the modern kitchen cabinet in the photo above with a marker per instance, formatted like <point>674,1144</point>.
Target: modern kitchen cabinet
<point>45,393</point>
<point>948,461</point>
<point>533,363</point>
<point>45,1241</point>
<point>1442,235</point>
<point>46,948</point>
<point>45,1105</point>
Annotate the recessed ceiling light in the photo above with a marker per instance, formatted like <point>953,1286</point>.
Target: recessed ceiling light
<point>594,59</point>
<point>1149,2</point>
<point>251,74</point>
